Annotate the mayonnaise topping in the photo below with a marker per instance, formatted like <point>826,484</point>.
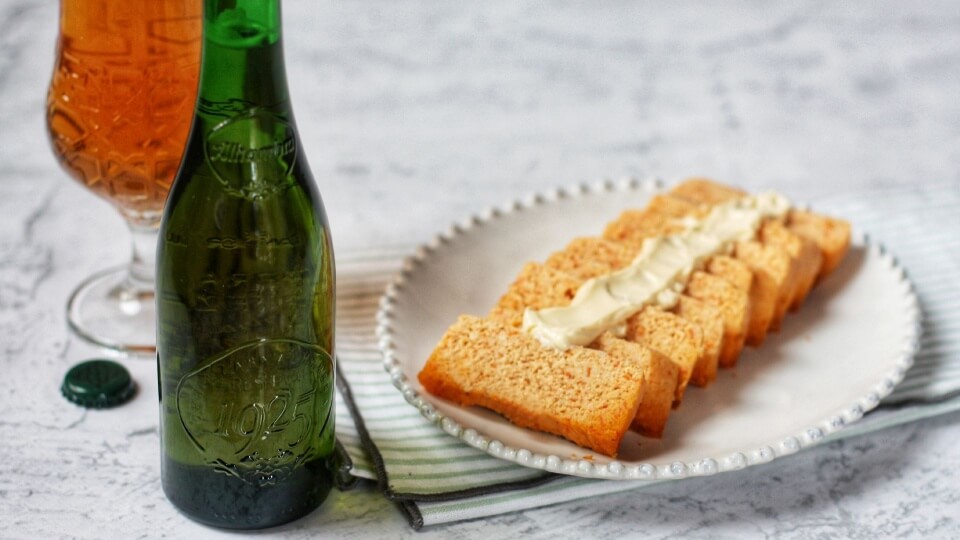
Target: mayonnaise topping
<point>657,275</point>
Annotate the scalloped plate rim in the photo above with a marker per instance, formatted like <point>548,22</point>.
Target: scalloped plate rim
<point>808,437</point>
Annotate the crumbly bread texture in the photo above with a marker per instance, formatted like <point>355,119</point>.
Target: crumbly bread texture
<point>662,216</point>
<point>660,381</point>
<point>677,339</point>
<point>632,227</point>
<point>540,286</point>
<point>805,233</point>
<point>708,319</point>
<point>537,287</point>
<point>671,335</point>
<point>592,395</point>
<point>738,273</point>
<point>761,292</point>
<point>585,395</point>
<point>706,193</point>
<point>589,257</point>
<point>831,235</point>
<point>734,307</point>
<point>806,254</point>
<point>734,271</point>
<point>774,282</point>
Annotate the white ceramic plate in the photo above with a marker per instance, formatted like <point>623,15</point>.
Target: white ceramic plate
<point>834,360</point>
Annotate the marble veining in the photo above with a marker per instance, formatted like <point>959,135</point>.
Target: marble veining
<point>417,114</point>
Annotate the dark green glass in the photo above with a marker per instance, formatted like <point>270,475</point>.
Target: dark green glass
<point>245,293</point>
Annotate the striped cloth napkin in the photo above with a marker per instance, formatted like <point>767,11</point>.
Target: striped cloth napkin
<point>436,479</point>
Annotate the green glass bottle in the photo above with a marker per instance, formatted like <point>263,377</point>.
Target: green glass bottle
<point>245,293</point>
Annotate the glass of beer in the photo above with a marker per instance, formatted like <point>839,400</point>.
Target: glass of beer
<point>118,112</point>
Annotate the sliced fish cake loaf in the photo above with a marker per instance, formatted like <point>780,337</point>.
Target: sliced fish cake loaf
<point>706,192</point>
<point>538,287</point>
<point>765,292</point>
<point>710,321</point>
<point>585,395</point>
<point>678,339</point>
<point>660,382</point>
<point>830,234</point>
<point>802,250</point>
<point>734,311</point>
<point>633,227</point>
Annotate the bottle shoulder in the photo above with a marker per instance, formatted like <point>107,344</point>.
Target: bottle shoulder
<point>252,155</point>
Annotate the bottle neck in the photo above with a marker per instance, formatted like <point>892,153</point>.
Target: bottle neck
<point>242,63</point>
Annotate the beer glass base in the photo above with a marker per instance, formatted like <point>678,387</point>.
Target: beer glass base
<point>109,311</point>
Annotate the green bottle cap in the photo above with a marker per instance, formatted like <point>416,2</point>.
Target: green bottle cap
<point>98,384</point>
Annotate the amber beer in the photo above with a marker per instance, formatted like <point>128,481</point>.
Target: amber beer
<point>122,97</point>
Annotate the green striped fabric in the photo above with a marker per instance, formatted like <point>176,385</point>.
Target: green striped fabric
<point>421,460</point>
<point>437,479</point>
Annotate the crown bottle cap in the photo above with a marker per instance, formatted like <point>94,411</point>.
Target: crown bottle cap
<point>98,384</point>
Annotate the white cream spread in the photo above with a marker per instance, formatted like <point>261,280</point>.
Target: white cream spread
<point>657,275</point>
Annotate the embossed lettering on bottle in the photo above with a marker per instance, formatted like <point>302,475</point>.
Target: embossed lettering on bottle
<point>252,152</point>
<point>271,392</point>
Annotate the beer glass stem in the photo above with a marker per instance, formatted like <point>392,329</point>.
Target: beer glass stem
<point>114,309</point>
<point>144,257</point>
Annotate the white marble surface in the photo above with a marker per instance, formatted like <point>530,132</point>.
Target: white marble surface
<point>418,113</point>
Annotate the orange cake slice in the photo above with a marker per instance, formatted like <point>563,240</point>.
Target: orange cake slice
<point>717,290</point>
<point>709,319</point>
<point>763,293</point>
<point>584,395</point>
<point>538,286</point>
<point>774,278</point>
<point>769,297</point>
<point>704,191</point>
<point>806,254</point>
<point>734,311</point>
<point>761,290</point>
<point>678,339</point>
<point>831,235</point>
<point>660,380</point>
<point>805,265</point>
<point>633,227</point>
<point>589,257</point>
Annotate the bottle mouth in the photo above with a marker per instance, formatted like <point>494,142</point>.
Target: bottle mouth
<point>237,28</point>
